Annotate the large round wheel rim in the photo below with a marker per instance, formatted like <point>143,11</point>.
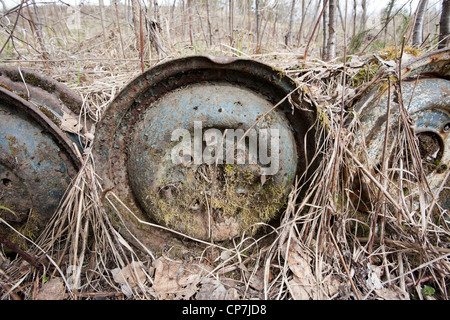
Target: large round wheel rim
<point>37,163</point>
<point>200,96</point>
<point>425,95</point>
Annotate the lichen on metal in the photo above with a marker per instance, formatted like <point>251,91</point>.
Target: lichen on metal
<point>134,145</point>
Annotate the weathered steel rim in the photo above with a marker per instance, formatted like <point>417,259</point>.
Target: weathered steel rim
<point>111,140</point>
<point>36,168</point>
<point>431,114</point>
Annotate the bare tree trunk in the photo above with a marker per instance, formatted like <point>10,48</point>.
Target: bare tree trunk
<point>146,30</point>
<point>201,23</point>
<point>127,11</point>
<point>418,24</point>
<point>172,10</point>
<point>249,10</point>
<point>388,17</point>
<point>156,10</point>
<point>172,18</point>
<point>444,24</point>
<point>191,31</point>
<point>118,28</point>
<point>230,20</point>
<point>362,26</point>
<point>135,9</point>
<point>102,17</point>
<point>288,40</point>
<point>300,30</point>
<point>183,22</point>
<point>354,18</point>
<point>315,28</point>
<point>4,6</point>
<point>258,24</point>
<point>331,29</point>
<point>340,15</point>
<point>208,18</point>
<point>274,29</point>
<point>263,31</point>
<point>312,25</point>
<point>325,35</point>
<point>38,29</point>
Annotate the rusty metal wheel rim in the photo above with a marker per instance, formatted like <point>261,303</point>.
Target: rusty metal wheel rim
<point>37,163</point>
<point>116,150</point>
<point>425,88</point>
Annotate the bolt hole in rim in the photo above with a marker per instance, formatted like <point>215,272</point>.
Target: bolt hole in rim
<point>431,146</point>
<point>219,93</point>
<point>446,127</point>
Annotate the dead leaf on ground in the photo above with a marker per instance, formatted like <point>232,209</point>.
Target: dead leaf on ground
<point>303,284</point>
<point>374,277</point>
<point>70,124</point>
<point>392,293</point>
<point>53,289</point>
<point>130,277</point>
<point>256,280</point>
<point>331,286</point>
<point>177,280</point>
<point>212,289</point>
<point>356,62</point>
